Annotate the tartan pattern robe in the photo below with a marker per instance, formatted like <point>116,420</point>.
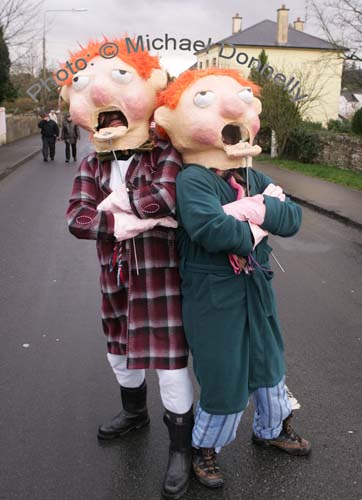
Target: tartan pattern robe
<point>141,316</point>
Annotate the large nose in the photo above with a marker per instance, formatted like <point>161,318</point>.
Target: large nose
<point>232,107</point>
<point>100,96</point>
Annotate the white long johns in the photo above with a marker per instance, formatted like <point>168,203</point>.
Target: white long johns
<point>176,388</point>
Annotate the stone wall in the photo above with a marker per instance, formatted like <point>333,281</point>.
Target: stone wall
<point>342,150</point>
<point>19,126</point>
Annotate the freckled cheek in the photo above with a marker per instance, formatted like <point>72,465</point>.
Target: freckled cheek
<point>202,134</point>
<point>137,107</point>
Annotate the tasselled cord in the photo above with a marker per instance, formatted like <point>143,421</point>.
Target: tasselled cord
<point>123,180</point>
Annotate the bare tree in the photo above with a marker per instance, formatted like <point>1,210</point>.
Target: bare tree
<point>27,59</point>
<point>313,79</point>
<point>19,20</point>
<point>283,110</point>
<point>341,22</point>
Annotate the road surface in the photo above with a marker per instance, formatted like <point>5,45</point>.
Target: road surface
<point>56,386</point>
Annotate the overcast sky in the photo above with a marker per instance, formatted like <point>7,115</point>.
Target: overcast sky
<point>192,19</point>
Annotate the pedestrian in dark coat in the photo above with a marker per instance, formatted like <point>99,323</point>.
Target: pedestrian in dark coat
<point>70,135</point>
<point>49,134</point>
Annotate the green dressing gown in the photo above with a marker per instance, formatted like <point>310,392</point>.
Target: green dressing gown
<point>230,320</point>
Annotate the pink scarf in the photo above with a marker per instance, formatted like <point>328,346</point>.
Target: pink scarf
<point>240,193</point>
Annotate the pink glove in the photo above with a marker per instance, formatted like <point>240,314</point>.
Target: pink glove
<point>117,201</point>
<point>250,208</point>
<point>275,191</point>
<point>258,234</point>
<point>127,225</point>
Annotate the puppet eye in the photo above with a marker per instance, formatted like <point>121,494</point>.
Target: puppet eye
<point>122,76</point>
<point>204,99</point>
<point>80,82</point>
<point>246,95</point>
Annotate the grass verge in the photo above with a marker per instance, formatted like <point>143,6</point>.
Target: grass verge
<point>329,173</point>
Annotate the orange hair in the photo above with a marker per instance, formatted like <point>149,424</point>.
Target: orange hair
<point>172,94</point>
<point>141,60</point>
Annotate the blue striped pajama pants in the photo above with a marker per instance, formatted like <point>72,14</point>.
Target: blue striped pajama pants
<point>272,406</point>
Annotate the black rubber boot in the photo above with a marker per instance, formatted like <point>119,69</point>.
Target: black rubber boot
<point>176,480</point>
<point>133,416</point>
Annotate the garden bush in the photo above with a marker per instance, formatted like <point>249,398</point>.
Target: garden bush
<point>357,122</point>
<point>303,144</point>
<point>312,125</point>
<point>343,126</point>
<point>263,139</point>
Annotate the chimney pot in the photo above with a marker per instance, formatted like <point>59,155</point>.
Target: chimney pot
<point>236,24</point>
<point>282,25</point>
<point>298,24</point>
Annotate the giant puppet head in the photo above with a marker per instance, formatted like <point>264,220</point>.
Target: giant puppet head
<point>211,117</point>
<point>111,92</point>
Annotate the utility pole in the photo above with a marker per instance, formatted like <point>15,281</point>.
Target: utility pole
<point>44,63</point>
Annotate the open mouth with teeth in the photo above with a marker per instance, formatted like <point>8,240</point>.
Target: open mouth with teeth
<point>111,119</point>
<point>238,143</point>
<point>112,124</point>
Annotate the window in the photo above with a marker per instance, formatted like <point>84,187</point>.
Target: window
<point>214,62</point>
<point>200,65</point>
<point>207,63</point>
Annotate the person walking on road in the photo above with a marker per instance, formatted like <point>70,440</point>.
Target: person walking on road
<point>70,135</point>
<point>49,134</point>
<point>53,116</point>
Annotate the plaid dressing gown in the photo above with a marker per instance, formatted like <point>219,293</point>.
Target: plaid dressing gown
<point>141,316</point>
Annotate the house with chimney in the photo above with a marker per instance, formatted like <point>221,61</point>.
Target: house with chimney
<point>349,103</point>
<point>309,67</point>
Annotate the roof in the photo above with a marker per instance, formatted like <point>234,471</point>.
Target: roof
<point>194,66</point>
<point>349,96</point>
<point>264,34</point>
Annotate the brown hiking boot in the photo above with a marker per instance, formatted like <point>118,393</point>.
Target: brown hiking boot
<point>206,468</point>
<point>288,440</point>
